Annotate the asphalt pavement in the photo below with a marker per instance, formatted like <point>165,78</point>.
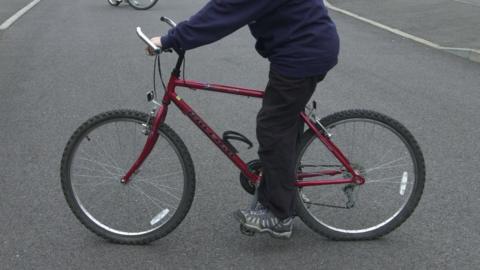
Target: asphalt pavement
<point>65,61</point>
<point>451,24</point>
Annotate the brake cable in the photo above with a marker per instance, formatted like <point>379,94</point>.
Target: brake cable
<point>156,62</point>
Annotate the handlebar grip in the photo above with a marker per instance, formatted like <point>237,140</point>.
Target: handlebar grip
<point>147,41</point>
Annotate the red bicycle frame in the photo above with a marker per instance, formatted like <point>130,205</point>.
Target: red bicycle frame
<point>171,96</point>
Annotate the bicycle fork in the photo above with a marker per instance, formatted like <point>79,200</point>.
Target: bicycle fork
<point>157,117</point>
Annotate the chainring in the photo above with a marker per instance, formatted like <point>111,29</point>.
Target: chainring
<point>254,166</point>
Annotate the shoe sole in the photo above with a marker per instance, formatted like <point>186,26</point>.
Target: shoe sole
<point>240,218</point>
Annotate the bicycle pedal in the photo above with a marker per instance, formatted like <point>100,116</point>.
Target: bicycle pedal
<point>246,231</point>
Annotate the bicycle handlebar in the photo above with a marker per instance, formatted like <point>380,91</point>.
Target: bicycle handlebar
<point>168,21</point>
<point>157,50</point>
<point>147,41</point>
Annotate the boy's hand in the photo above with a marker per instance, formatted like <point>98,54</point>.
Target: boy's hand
<point>157,41</point>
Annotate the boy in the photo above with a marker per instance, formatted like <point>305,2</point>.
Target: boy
<point>301,43</point>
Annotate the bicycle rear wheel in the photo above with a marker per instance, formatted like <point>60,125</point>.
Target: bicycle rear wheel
<point>142,4</point>
<point>389,158</point>
<point>151,204</point>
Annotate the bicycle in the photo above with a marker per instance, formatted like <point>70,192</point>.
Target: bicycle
<point>123,189</point>
<point>136,4</point>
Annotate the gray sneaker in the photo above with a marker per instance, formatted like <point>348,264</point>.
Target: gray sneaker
<point>262,220</point>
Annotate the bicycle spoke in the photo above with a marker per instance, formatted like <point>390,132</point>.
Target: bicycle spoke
<point>383,179</point>
<point>95,179</point>
<point>319,165</point>
<point>94,176</point>
<point>157,185</point>
<point>144,195</point>
<point>161,176</point>
<point>97,171</point>
<point>384,155</point>
<point>154,200</point>
<point>162,190</point>
<point>326,205</point>
<point>385,164</point>
<point>105,154</point>
<point>94,184</point>
<point>103,165</point>
<point>386,167</point>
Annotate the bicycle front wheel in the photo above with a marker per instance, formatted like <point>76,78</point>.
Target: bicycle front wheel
<point>142,4</point>
<point>385,153</point>
<point>152,203</point>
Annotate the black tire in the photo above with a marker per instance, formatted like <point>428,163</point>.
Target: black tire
<point>331,216</point>
<point>87,166</point>
<point>141,6</point>
<point>114,2</point>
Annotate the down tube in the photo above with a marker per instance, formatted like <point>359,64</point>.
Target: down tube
<point>183,106</point>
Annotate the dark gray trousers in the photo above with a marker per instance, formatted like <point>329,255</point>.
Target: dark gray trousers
<point>279,128</point>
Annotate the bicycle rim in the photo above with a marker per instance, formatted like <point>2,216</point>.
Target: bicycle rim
<point>387,160</point>
<point>114,2</point>
<point>142,4</point>
<point>101,156</point>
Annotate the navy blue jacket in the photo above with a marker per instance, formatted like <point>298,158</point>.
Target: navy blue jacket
<point>297,36</point>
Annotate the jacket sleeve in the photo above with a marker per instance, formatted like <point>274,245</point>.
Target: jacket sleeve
<point>215,20</point>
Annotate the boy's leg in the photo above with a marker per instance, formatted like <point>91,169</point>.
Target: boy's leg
<point>278,128</point>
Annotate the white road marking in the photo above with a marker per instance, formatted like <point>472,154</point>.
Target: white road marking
<point>399,32</point>
<point>17,15</point>
<point>468,2</point>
